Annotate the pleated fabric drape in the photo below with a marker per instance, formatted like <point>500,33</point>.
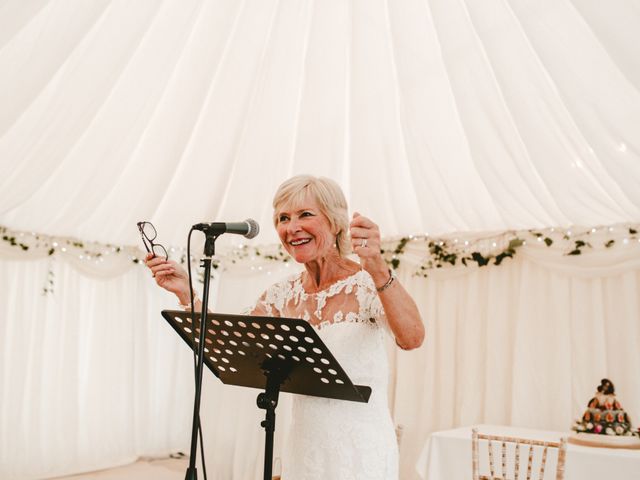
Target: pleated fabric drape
<point>434,115</point>
<point>93,377</point>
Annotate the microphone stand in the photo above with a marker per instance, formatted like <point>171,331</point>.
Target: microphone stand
<point>209,251</point>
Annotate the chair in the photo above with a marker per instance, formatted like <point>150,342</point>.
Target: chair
<point>511,450</point>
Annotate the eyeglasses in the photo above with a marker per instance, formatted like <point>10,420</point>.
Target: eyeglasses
<point>149,234</point>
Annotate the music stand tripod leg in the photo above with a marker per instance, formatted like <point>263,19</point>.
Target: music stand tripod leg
<point>268,400</point>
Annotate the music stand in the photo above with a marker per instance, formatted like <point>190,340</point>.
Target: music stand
<point>272,354</point>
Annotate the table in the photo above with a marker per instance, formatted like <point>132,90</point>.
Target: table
<point>447,456</point>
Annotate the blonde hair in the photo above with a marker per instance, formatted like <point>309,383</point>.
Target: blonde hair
<point>330,198</point>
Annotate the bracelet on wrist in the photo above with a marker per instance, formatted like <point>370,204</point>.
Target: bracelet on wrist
<point>187,307</point>
<point>392,277</point>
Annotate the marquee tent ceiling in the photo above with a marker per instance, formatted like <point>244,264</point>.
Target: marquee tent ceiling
<point>434,115</point>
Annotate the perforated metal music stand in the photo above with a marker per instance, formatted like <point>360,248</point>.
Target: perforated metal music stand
<point>271,354</point>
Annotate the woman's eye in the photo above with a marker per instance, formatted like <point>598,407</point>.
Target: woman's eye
<point>306,214</point>
<point>283,218</point>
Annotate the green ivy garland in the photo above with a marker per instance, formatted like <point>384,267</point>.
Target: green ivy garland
<point>434,253</point>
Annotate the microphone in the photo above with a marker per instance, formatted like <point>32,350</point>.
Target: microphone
<point>249,228</point>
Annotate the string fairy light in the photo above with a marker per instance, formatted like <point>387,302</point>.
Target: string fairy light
<point>426,252</point>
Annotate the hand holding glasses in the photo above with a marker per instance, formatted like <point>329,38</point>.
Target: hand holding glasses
<point>148,233</point>
<point>167,273</point>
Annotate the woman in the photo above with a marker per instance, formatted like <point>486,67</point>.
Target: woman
<point>351,305</point>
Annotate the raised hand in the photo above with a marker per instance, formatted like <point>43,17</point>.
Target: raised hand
<point>402,313</point>
<point>365,241</point>
<point>170,276</point>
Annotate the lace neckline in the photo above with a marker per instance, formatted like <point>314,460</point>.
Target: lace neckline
<point>338,283</point>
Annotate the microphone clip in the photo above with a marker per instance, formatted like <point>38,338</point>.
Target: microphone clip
<point>216,228</point>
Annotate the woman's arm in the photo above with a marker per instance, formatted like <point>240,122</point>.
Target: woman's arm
<point>402,313</point>
<point>173,278</point>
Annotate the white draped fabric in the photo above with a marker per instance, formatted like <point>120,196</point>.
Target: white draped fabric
<point>438,116</point>
<point>434,115</point>
<point>94,377</point>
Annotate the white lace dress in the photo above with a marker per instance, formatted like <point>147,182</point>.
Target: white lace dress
<point>334,439</point>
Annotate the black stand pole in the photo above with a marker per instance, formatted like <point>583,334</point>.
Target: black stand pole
<point>268,400</point>
<point>209,251</point>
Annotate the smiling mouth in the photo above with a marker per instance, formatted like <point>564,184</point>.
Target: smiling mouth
<point>302,241</point>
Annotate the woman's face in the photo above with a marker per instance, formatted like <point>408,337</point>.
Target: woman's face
<point>304,231</point>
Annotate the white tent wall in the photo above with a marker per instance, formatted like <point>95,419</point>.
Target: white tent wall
<point>435,116</point>
<point>93,377</point>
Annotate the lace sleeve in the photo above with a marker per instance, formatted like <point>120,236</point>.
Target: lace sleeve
<point>272,302</point>
<point>378,313</point>
<point>371,304</point>
<point>262,307</point>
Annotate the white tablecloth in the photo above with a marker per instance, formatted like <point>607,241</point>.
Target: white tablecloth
<point>447,456</point>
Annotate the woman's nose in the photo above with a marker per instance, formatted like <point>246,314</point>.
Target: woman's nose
<point>293,226</point>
